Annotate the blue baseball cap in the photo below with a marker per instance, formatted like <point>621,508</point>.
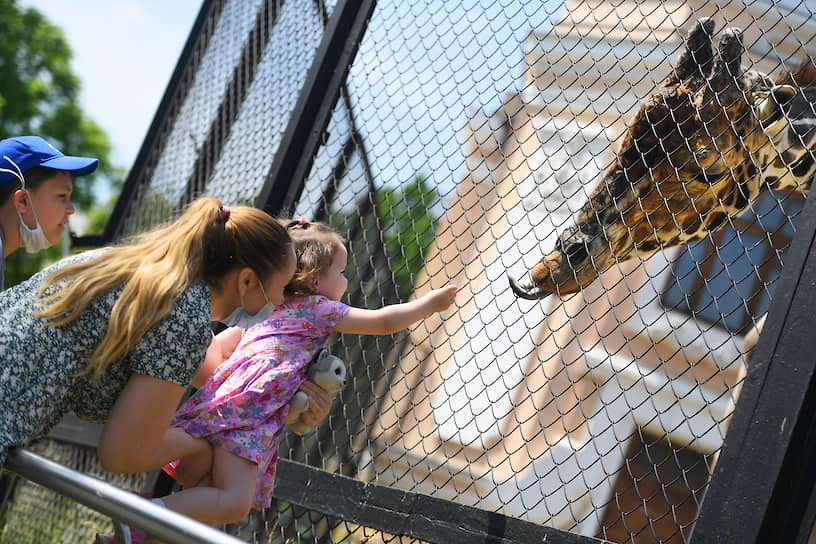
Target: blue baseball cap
<point>30,151</point>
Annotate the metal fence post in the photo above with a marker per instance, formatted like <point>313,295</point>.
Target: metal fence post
<point>763,481</point>
<point>312,113</point>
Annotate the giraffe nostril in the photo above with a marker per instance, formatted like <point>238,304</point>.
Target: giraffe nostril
<point>575,251</point>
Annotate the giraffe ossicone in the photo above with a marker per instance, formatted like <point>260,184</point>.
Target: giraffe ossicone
<point>704,145</point>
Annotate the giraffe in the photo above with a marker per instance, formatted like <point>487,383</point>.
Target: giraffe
<point>698,151</point>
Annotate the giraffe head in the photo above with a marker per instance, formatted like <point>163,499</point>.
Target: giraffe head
<point>697,152</point>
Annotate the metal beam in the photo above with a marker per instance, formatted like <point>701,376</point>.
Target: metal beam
<point>144,515</point>
<point>312,113</point>
<point>762,484</point>
<point>243,76</point>
<point>403,513</point>
<point>168,108</point>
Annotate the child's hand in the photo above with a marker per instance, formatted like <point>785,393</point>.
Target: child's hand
<point>441,299</point>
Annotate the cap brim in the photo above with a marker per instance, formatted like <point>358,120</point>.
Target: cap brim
<point>79,166</point>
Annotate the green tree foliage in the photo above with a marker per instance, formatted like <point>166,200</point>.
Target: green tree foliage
<point>39,95</point>
<point>408,222</point>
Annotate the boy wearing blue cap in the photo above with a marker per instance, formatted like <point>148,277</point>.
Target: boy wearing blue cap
<point>36,181</point>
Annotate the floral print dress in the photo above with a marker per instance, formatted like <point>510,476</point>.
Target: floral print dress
<point>242,406</point>
<point>41,367</point>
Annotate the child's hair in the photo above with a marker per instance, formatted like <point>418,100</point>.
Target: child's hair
<point>205,243</point>
<point>315,246</point>
<point>34,177</point>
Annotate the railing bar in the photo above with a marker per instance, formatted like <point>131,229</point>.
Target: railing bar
<point>407,513</point>
<point>158,522</point>
<point>315,105</point>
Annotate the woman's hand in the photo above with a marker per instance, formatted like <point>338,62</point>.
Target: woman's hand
<point>193,468</point>
<point>319,404</point>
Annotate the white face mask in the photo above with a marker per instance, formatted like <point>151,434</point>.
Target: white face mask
<point>32,240</point>
<point>241,318</point>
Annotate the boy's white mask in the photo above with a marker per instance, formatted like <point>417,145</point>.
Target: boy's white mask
<point>33,240</point>
<point>241,318</point>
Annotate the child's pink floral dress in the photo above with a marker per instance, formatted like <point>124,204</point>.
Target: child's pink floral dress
<point>242,406</point>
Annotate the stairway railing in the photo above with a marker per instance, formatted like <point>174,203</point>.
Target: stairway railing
<point>158,522</point>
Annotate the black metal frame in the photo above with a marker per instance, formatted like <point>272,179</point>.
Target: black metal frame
<point>313,109</point>
<point>242,78</point>
<point>762,487</point>
<point>388,509</point>
<point>152,145</point>
<point>403,513</point>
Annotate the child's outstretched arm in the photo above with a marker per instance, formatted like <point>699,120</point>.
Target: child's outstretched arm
<point>396,317</point>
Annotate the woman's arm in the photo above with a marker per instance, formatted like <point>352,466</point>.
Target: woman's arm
<point>137,436</point>
<point>397,316</point>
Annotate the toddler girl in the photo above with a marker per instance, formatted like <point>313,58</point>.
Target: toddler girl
<point>241,407</point>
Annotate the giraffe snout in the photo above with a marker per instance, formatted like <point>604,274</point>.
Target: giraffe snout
<point>551,275</point>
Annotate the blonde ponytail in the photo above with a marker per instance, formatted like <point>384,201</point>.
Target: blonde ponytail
<point>205,243</point>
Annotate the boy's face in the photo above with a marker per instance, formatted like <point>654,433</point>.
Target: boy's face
<point>331,282</point>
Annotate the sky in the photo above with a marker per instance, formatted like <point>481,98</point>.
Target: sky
<point>124,54</point>
<point>126,50</point>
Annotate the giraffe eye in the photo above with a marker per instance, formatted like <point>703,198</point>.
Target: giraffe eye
<point>701,147</point>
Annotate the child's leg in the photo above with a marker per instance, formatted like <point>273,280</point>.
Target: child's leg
<point>230,497</point>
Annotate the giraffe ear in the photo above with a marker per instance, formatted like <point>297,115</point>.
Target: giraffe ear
<point>697,57</point>
<point>727,66</point>
<point>774,107</point>
<point>783,95</point>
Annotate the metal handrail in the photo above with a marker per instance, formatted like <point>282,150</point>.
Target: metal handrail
<point>123,505</point>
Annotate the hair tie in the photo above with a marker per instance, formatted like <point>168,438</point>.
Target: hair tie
<point>223,213</point>
<point>299,223</point>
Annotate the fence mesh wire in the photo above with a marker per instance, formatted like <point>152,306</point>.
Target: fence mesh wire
<point>466,138</point>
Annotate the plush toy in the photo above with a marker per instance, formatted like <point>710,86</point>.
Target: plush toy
<point>329,372</point>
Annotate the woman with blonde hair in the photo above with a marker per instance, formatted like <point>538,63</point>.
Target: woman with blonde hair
<point>117,334</point>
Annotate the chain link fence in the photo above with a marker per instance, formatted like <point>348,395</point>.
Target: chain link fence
<point>466,137</point>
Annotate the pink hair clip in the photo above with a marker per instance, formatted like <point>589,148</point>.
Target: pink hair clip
<point>302,221</point>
